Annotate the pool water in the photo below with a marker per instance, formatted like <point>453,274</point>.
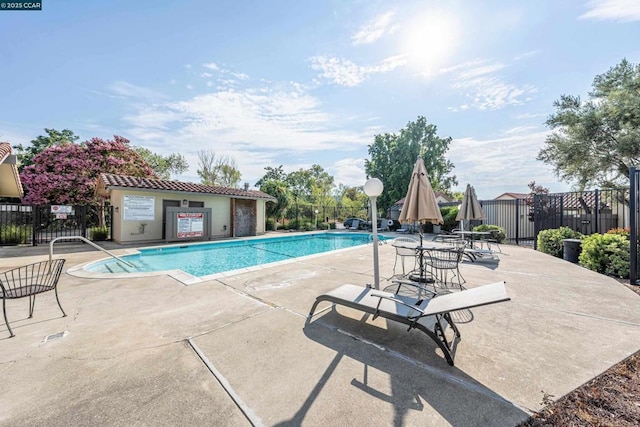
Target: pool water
<point>206,259</point>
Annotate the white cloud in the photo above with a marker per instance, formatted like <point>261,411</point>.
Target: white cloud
<point>346,73</point>
<point>206,75</point>
<point>349,171</point>
<point>484,88</point>
<point>525,55</point>
<point>504,163</point>
<point>211,66</point>
<point>616,10</point>
<point>129,90</point>
<point>254,125</point>
<point>374,29</point>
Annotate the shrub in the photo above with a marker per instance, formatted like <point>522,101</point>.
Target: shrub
<point>498,233</point>
<point>606,253</point>
<point>270,225</point>
<point>99,233</point>
<point>449,214</point>
<point>624,232</point>
<point>550,241</point>
<point>294,225</point>
<point>15,234</point>
<point>308,226</point>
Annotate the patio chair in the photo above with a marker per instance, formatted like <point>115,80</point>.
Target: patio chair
<point>355,224</point>
<point>430,315</point>
<point>445,260</point>
<point>28,281</point>
<point>405,248</point>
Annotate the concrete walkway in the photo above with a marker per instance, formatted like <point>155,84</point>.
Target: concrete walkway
<point>239,350</point>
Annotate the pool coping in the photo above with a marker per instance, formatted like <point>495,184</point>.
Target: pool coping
<point>189,279</point>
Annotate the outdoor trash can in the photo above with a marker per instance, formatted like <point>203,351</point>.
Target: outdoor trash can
<point>572,249</point>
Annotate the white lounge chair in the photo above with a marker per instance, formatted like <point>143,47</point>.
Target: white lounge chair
<point>428,315</point>
<point>354,225</point>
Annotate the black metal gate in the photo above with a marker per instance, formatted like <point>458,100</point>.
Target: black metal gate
<point>634,217</point>
<point>30,224</point>
<point>547,213</point>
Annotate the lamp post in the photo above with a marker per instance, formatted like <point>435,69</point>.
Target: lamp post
<point>373,188</point>
<point>316,219</point>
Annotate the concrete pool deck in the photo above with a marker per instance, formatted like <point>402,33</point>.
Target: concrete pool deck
<point>238,350</point>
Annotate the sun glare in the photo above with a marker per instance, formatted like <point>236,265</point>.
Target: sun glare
<point>430,41</point>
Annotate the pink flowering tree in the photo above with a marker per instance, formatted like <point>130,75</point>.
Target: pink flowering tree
<point>67,174</point>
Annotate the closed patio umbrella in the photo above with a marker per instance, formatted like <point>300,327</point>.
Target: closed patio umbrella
<point>470,208</point>
<point>420,204</point>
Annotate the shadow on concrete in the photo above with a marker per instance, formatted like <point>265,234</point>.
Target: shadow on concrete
<point>415,384</point>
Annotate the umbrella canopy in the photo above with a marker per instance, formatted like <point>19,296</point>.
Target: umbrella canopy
<point>470,208</point>
<point>420,204</point>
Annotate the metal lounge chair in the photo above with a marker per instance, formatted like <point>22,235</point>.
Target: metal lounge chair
<point>28,281</point>
<point>429,315</point>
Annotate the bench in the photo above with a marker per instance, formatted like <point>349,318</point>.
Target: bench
<point>29,281</point>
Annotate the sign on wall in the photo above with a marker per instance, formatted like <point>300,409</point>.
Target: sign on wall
<point>139,208</point>
<point>190,225</point>
<point>62,209</point>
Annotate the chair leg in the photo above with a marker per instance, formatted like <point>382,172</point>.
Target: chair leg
<point>58,300</point>
<point>32,303</point>
<point>6,321</point>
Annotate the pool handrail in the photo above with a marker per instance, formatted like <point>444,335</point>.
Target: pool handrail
<point>92,244</point>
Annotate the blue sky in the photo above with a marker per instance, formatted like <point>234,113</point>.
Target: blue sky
<point>297,83</point>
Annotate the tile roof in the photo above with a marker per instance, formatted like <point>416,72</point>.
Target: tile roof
<point>123,181</point>
<point>9,187</point>
<point>5,150</point>
<point>514,195</point>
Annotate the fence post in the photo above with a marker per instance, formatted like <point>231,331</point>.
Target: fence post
<point>596,218</point>
<point>633,229</point>
<point>34,222</point>
<point>517,220</point>
<point>536,221</point>
<point>84,221</point>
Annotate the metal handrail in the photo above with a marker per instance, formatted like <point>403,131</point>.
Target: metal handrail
<point>92,244</point>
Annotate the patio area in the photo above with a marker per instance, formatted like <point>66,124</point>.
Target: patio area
<point>238,350</point>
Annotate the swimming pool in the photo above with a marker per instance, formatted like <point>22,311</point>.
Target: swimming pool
<point>210,258</point>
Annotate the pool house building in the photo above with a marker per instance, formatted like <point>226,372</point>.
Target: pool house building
<point>147,210</point>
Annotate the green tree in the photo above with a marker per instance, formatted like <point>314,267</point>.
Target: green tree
<point>392,158</point>
<point>353,197</point>
<point>54,138</point>
<point>275,174</point>
<point>279,190</point>
<point>300,184</point>
<point>537,189</point>
<point>217,170</point>
<point>163,166</point>
<point>594,142</point>
<point>321,185</point>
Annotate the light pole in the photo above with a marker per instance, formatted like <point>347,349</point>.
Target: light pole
<point>373,188</point>
<point>316,219</point>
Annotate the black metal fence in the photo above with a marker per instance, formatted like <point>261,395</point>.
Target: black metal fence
<point>31,224</point>
<point>588,212</point>
<point>634,226</point>
<point>310,214</point>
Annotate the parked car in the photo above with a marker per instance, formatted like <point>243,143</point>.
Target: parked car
<point>348,223</point>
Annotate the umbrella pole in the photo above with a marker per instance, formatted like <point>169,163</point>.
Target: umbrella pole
<point>423,278</point>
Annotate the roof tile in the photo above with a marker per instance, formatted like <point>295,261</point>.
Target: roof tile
<point>123,181</point>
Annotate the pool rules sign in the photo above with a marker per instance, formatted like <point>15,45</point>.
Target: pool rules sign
<point>190,225</point>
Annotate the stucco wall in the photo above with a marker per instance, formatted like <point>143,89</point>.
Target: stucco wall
<point>131,230</point>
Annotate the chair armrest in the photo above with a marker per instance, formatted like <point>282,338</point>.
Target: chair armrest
<point>399,301</point>
<point>415,285</point>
